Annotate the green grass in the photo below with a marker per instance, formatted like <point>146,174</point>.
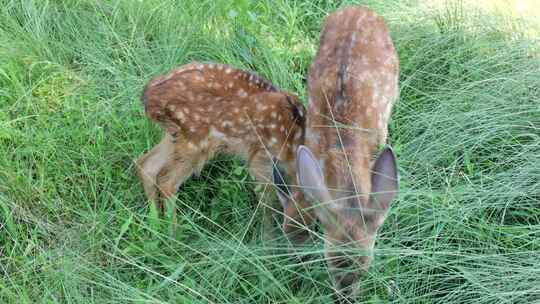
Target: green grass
<point>74,223</point>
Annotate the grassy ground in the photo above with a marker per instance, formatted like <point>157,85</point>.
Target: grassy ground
<point>74,224</point>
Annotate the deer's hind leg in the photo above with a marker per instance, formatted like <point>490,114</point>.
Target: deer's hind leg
<point>150,164</point>
<point>177,169</point>
<point>188,158</point>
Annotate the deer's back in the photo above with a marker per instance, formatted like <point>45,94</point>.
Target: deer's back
<point>202,85</point>
<point>355,72</point>
<point>353,83</point>
<point>240,109</point>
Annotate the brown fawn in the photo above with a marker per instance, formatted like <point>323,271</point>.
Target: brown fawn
<point>208,108</point>
<point>352,83</point>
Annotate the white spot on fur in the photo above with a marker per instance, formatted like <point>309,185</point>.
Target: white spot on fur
<point>376,94</point>
<point>388,110</point>
<point>364,60</point>
<point>389,61</point>
<point>359,23</point>
<point>228,70</point>
<point>381,121</point>
<point>216,134</point>
<point>380,124</point>
<point>180,116</point>
<point>353,40</point>
<point>242,93</point>
<point>204,143</point>
<point>369,110</point>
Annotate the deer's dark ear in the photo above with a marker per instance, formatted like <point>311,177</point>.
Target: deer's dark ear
<point>298,111</point>
<point>282,190</point>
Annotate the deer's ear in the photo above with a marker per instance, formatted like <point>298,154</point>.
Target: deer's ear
<point>310,176</point>
<point>282,190</point>
<point>298,110</point>
<point>384,182</point>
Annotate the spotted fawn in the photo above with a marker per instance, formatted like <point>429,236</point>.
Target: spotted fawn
<point>352,84</point>
<point>208,108</point>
